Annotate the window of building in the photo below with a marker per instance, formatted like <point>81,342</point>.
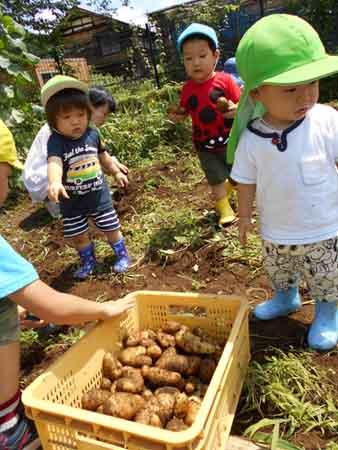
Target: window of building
<point>109,44</point>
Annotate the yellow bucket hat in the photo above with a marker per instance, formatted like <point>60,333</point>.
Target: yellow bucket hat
<point>7,148</point>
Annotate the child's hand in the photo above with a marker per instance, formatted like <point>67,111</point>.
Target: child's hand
<point>231,110</point>
<point>176,113</point>
<point>124,169</point>
<point>121,179</point>
<point>244,227</point>
<point>117,307</point>
<point>55,189</point>
<point>26,320</point>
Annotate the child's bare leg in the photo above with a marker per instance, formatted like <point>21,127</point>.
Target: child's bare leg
<point>9,371</point>
<point>81,241</point>
<point>16,431</point>
<point>114,236</point>
<point>220,193</point>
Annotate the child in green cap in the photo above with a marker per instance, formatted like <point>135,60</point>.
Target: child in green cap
<point>76,159</point>
<point>287,157</point>
<point>203,96</point>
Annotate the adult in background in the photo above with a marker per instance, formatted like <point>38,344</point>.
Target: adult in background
<point>231,68</point>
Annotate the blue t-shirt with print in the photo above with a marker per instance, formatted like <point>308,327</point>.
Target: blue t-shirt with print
<point>15,271</point>
<point>82,176</point>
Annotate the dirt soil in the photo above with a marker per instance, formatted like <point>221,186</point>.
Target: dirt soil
<point>176,275</point>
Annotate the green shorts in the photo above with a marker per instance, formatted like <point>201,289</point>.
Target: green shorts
<point>9,322</point>
<point>214,166</point>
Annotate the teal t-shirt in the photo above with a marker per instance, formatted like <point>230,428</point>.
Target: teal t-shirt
<point>15,271</point>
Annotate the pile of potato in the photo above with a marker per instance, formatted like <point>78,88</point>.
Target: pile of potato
<point>158,378</point>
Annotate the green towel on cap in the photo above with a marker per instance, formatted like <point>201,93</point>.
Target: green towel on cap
<point>279,50</point>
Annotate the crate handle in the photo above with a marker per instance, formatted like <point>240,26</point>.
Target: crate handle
<point>64,421</point>
<point>187,311</point>
<point>56,420</point>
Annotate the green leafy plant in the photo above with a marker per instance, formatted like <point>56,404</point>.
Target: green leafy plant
<point>15,63</point>
<point>288,390</point>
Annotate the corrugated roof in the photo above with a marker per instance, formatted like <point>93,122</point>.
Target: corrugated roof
<point>169,8</point>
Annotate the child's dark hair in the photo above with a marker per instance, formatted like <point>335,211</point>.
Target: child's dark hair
<point>64,101</point>
<point>98,96</point>
<point>200,37</point>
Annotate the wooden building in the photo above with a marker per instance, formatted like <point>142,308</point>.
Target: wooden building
<point>103,41</point>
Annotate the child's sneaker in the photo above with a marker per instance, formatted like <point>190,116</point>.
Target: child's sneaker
<point>21,437</point>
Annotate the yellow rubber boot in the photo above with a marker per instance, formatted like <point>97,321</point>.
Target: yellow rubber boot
<point>225,211</point>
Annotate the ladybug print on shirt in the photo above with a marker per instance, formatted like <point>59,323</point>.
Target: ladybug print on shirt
<point>210,130</point>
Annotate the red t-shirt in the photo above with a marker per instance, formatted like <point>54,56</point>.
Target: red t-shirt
<point>210,130</point>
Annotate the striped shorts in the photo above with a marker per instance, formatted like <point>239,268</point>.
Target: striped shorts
<point>104,220</point>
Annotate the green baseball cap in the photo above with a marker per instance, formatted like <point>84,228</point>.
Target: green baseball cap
<point>279,49</point>
<point>58,83</point>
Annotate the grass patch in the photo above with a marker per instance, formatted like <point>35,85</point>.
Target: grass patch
<point>233,252</point>
<point>290,390</point>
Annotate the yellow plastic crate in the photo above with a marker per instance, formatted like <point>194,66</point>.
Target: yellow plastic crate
<point>53,400</point>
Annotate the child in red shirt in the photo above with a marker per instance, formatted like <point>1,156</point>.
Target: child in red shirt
<point>200,96</point>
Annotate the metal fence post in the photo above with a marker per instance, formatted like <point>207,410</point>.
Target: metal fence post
<point>152,56</point>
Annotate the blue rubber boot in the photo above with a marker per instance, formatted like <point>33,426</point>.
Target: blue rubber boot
<point>323,333</point>
<point>283,303</point>
<point>88,262</point>
<point>122,259</point>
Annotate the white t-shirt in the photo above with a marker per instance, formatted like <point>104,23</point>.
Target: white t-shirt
<point>296,189</point>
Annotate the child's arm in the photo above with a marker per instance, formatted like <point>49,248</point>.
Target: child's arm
<point>124,169</point>
<point>59,308</point>
<point>27,322</point>
<point>177,113</point>
<point>231,111</point>
<point>233,93</point>
<point>246,194</point>
<point>55,186</point>
<point>111,168</point>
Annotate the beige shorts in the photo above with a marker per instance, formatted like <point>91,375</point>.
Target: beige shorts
<point>9,322</point>
<point>317,264</point>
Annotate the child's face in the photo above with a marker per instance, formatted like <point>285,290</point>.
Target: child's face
<point>286,104</point>
<point>199,60</point>
<point>100,114</point>
<point>72,123</point>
